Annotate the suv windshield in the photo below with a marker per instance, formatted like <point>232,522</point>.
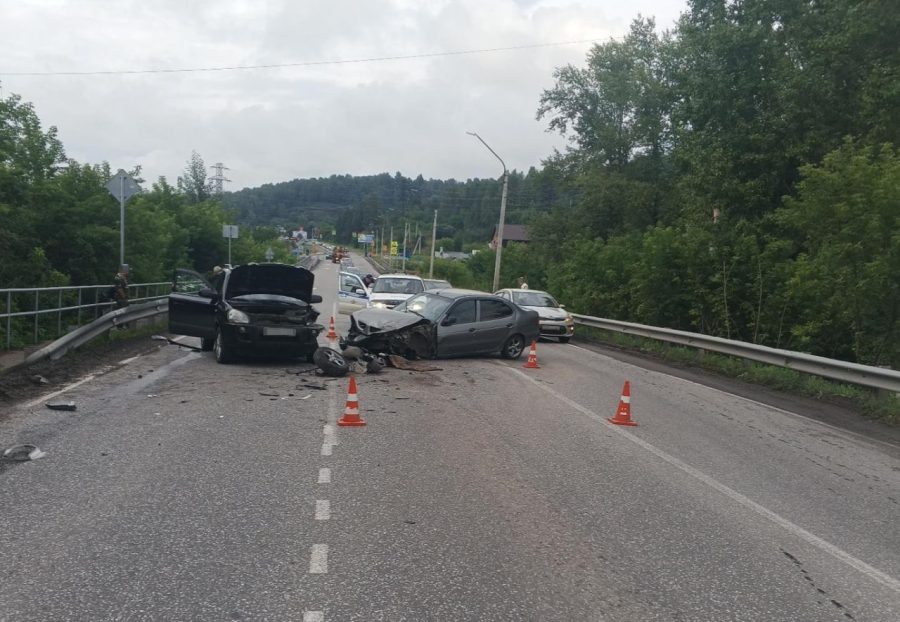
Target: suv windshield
<point>534,299</point>
<point>397,285</point>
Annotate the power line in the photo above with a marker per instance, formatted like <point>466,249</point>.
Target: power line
<point>314,63</point>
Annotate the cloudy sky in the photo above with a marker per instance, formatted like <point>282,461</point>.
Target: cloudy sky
<point>322,115</point>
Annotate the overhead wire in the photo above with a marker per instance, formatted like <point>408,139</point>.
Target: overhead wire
<point>315,63</point>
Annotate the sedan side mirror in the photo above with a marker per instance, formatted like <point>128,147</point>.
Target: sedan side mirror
<point>449,321</point>
<point>315,298</point>
<point>359,291</point>
<point>562,306</point>
<point>207,293</point>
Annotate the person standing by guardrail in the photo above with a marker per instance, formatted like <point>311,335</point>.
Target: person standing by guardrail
<point>120,287</point>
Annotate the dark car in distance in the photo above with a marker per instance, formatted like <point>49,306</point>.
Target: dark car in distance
<point>445,323</point>
<point>256,309</point>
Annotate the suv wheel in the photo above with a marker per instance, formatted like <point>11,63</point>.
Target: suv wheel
<point>221,349</point>
<point>331,362</point>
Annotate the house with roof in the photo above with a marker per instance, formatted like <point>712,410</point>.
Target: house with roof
<point>511,233</point>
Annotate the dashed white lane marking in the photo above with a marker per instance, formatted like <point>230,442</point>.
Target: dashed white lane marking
<point>752,401</point>
<point>313,616</point>
<point>60,392</point>
<point>128,360</point>
<point>326,449</point>
<point>324,475</point>
<point>323,509</point>
<point>857,564</point>
<point>330,434</point>
<point>318,559</point>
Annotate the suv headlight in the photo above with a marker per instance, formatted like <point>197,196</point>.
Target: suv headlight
<point>237,317</point>
<point>379,305</point>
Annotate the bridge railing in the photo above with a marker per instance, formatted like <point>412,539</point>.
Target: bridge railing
<point>34,314</point>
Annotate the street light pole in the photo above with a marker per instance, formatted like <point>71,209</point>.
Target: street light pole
<point>502,212</point>
<point>433,235</point>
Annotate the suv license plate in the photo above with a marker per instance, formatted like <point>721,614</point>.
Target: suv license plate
<point>279,332</point>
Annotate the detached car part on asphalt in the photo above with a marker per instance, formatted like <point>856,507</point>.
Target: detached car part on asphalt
<point>445,323</point>
<point>256,309</point>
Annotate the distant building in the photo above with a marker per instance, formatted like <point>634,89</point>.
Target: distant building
<point>511,233</point>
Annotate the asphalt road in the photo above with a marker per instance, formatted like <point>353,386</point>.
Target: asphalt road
<point>185,490</point>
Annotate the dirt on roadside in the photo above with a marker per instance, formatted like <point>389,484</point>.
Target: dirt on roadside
<point>25,383</point>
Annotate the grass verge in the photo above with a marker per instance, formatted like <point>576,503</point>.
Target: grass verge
<point>886,409</point>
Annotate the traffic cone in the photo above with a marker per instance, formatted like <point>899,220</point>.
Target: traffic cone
<point>532,357</point>
<point>331,334</point>
<point>623,412</point>
<point>351,412</point>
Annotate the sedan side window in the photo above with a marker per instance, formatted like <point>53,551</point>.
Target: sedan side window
<point>463,311</point>
<point>350,284</point>
<point>494,310</point>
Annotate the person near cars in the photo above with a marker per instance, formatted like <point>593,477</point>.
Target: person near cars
<point>368,280</point>
<point>522,283</point>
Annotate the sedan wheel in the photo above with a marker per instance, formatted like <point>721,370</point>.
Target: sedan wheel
<point>513,347</point>
<point>222,351</point>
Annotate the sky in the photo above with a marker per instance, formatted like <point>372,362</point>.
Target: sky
<point>324,115</point>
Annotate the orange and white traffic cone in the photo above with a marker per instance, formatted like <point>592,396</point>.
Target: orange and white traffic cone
<point>351,412</point>
<point>532,357</point>
<point>331,334</point>
<point>623,412</point>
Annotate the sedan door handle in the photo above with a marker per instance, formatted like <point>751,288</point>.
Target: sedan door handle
<point>471,330</point>
<point>509,325</point>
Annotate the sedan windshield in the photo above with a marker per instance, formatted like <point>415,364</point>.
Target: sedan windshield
<point>397,286</point>
<point>429,306</point>
<point>534,299</point>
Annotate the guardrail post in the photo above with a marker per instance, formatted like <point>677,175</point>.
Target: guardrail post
<point>59,314</point>
<point>37,306</point>
<point>78,312</point>
<point>8,320</point>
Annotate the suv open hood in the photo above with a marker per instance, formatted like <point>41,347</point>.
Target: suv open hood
<point>271,278</point>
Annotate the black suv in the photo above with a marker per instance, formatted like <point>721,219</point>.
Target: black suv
<point>263,309</point>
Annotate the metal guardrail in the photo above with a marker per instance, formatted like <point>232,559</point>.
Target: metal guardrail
<point>854,373</point>
<point>86,333</point>
<point>72,300</point>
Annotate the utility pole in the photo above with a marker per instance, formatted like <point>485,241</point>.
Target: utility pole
<point>433,236</point>
<point>219,178</point>
<point>502,212</point>
<point>405,236</point>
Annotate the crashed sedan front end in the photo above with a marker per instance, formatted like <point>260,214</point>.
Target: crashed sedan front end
<point>385,331</point>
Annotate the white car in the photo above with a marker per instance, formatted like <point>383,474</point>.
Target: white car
<point>555,320</point>
<point>389,290</point>
<point>352,292</point>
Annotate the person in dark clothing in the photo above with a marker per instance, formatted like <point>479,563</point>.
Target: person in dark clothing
<point>120,287</point>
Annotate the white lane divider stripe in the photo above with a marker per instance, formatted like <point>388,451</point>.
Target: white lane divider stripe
<point>318,559</point>
<point>857,564</point>
<point>60,392</point>
<point>128,360</point>
<point>313,616</point>
<point>323,509</point>
<point>324,475</point>
<point>330,434</point>
<point>326,449</point>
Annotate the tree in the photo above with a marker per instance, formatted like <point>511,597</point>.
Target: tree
<point>193,183</point>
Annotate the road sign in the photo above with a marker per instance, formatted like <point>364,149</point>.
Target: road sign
<point>395,247</point>
<point>123,186</point>
<point>365,238</point>
<point>230,231</point>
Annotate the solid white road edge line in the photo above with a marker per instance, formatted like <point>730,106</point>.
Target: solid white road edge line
<point>318,559</point>
<point>60,392</point>
<point>752,401</point>
<point>323,509</point>
<point>128,360</point>
<point>324,475</point>
<point>857,564</point>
